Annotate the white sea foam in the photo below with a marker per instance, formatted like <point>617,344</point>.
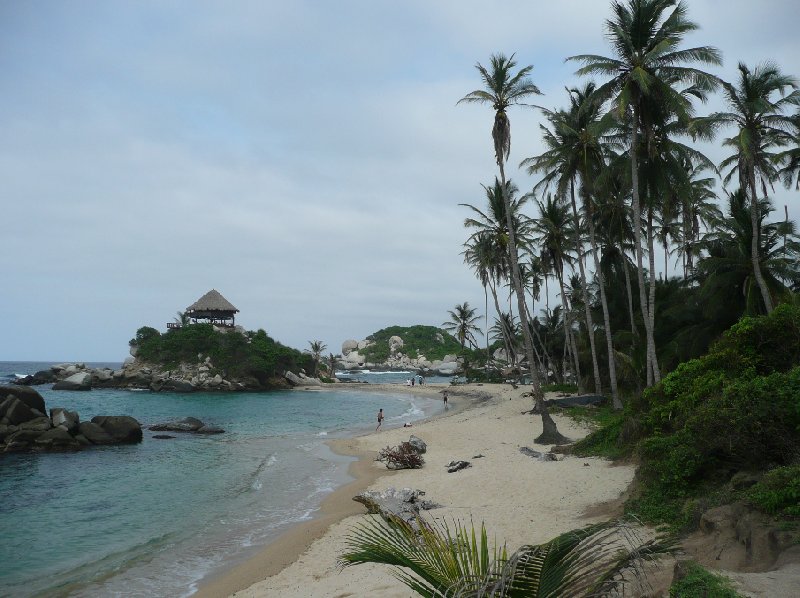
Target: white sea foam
<point>323,433</point>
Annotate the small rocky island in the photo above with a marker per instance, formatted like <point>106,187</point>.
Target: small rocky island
<point>204,350</point>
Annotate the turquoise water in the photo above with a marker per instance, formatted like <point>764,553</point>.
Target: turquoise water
<point>154,519</point>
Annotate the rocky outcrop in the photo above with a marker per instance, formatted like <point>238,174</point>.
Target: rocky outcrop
<point>301,379</point>
<point>404,503</point>
<point>77,381</point>
<point>201,376</point>
<point>353,359</point>
<point>187,424</point>
<point>25,427</point>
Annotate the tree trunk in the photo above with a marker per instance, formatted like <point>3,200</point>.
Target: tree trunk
<point>486,328</point>
<point>629,290</point>
<point>651,305</point>
<point>517,282</point>
<point>612,366</point>
<point>598,386</point>
<point>754,245</point>
<point>637,232</point>
<point>506,334</point>
<point>569,339</point>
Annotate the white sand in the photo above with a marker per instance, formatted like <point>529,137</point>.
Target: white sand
<point>521,500</point>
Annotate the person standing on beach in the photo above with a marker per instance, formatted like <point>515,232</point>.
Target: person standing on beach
<point>444,398</point>
<point>380,418</point>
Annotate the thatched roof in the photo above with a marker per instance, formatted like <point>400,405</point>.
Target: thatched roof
<point>212,301</point>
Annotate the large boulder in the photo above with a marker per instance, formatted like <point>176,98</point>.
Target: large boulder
<point>79,381</point>
<point>57,439</point>
<point>418,444</point>
<point>395,343</point>
<point>13,411</point>
<point>95,434</point>
<point>27,395</point>
<point>21,440</point>
<point>38,424</point>
<point>404,503</point>
<point>69,420</point>
<point>178,385</point>
<point>349,346</point>
<point>122,428</point>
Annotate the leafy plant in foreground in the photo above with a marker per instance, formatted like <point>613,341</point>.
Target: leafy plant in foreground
<point>441,563</point>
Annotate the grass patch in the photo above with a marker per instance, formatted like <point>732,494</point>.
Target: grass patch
<point>699,582</point>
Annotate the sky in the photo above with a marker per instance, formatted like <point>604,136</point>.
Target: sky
<point>306,159</point>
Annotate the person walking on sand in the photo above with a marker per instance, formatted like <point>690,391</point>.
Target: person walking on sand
<point>444,399</point>
<point>380,419</point>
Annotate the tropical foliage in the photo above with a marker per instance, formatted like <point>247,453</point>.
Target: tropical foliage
<point>232,353</point>
<point>620,182</point>
<point>429,341</point>
<point>435,561</point>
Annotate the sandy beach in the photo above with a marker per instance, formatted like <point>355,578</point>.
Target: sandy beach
<point>520,500</point>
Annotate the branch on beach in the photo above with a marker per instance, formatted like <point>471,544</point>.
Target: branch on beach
<point>403,456</point>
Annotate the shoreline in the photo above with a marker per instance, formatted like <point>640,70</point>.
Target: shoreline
<point>499,490</point>
<point>286,548</point>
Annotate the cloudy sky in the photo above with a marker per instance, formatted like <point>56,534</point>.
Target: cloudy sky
<point>304,158</point>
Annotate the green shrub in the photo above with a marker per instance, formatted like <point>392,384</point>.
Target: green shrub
<point>232,353</point>
<point>778,493</point>
<point>701,583</point>
<point>417,340</point>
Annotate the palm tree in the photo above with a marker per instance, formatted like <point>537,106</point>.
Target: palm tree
<point>576,149</point>
<point>182,319</point>
<point>488,245</point>
<point>760,126</point>
<point>791,157</point>
<point>726,273</point>
<point>462,324</point>
<point>317,348</point>
<point>552,232</point>
<point>504,88</point>
<point>647,65</point>
<point>434,561</point>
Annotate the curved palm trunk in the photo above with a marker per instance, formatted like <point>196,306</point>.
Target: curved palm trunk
<point>612,366</point>
<point>598,386</point>
<point>518,290</point>
<point>637,234</point>
<point>550,434</point>
<point>754,245</point>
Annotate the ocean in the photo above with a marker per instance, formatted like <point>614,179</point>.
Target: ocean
<point>154,519</point>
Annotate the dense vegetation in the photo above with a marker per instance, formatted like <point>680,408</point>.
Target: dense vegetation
<point>624,222</point>
<point>233,354</point>
<point>418,340</point>
<point>736,409</point>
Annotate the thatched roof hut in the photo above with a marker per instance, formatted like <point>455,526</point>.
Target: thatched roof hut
<point>214,308</point>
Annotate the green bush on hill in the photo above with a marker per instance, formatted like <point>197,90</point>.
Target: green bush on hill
<point>232,353</point>
<point>735,409</point>
<point>417,340</point>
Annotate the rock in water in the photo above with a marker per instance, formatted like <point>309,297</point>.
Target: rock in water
<point>122,428</point>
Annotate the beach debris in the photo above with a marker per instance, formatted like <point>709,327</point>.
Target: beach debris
<point>187,424</point>
<point>402,456</point>
<point>478,456</point>
<point>418,444</point>
<point>404,503</point>
<point>537,455</point>
<point>454,466</point>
